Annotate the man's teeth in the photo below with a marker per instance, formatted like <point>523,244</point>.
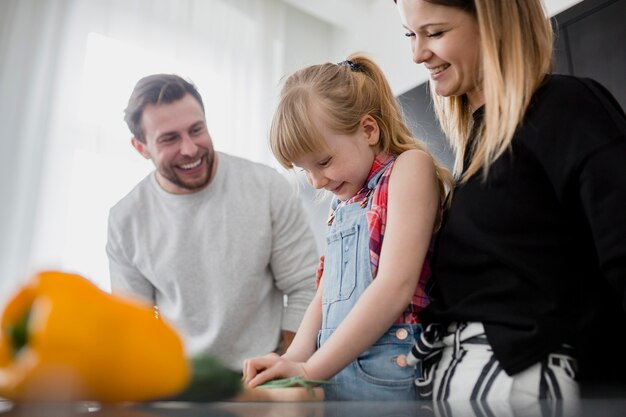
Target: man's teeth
<point>191,165</point>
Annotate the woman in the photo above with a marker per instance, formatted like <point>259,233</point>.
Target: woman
<point>530,266</point>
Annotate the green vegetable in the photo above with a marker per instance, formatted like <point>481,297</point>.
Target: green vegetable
<point>210,381</point>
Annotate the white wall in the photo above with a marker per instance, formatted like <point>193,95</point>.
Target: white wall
<point>309,40</point>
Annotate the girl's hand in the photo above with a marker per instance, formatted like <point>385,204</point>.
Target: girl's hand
<point>257,371</point>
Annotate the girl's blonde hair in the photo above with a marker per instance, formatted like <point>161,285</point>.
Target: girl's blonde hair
<point>516,55</point>
<point>345,93</point>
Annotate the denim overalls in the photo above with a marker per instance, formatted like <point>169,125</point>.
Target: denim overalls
<point>381,372</point>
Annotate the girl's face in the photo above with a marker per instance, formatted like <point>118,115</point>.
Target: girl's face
<point>446,40</point>
<point>344,167</point>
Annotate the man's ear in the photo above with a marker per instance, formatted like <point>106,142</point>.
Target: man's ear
<point>140,147</point>
<point>371,129</point>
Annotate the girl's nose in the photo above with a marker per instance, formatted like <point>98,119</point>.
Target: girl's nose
<point>317,180</point>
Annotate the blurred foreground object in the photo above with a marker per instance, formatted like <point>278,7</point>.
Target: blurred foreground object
<point>64,339</point>
<point>210,381</point>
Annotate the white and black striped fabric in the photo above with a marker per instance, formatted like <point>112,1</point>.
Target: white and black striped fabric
<point>458,364</point>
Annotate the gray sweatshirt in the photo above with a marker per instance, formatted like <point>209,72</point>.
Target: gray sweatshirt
<point>217,262</point>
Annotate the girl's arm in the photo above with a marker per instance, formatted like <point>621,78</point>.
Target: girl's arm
<point>302,347</point>
<point>411,212</point>
<point>305,342</point>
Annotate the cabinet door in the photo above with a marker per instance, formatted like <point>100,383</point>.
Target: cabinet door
<point>592,37</point>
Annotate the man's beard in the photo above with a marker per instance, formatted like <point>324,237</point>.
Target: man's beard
<point>171,175</point>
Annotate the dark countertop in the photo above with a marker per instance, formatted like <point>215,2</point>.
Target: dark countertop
<point>609,407</point>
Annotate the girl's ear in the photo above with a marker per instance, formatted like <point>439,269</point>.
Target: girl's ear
<point>371,130</point>
<point>140,147</point>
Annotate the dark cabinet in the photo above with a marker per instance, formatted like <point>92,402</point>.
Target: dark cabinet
<point>591,42</point>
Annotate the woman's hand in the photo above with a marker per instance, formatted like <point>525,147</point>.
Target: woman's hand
<point>257,371</point>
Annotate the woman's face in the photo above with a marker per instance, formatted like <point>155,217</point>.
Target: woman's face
<point>446,40</point>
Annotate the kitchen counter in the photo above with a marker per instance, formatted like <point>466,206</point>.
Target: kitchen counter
<point>298,402</point>
<point>588,408</point>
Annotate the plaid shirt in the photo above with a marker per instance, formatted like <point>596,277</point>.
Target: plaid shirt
<point>376,222</point>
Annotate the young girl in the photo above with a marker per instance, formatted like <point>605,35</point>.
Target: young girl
<point>342,126</point>
<point>530,267</point>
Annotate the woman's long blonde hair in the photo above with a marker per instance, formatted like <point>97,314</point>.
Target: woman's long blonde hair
<point>516,54</point>
<point>345,93</point>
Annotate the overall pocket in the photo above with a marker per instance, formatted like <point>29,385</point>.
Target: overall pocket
<point>340,265</point>
<point>384,363</point>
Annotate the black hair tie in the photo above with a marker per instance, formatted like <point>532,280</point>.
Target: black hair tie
<point>353,66</point>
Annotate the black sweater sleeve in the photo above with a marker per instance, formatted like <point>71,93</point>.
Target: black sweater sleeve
<point>589,160</point>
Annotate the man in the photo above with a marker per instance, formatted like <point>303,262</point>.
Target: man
<point>212,240</point>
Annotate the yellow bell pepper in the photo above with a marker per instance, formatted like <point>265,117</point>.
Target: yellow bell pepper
<point>64,339</point>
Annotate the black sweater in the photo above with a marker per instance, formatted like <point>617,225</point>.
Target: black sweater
<point>538,251</point>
